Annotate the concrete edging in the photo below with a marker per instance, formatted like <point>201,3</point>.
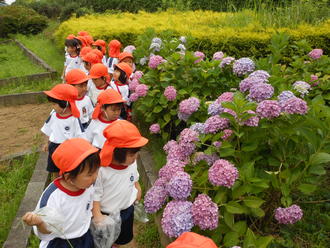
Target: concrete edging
<point>149,176</point>
<point>22,98</point>
<point>19,235</point>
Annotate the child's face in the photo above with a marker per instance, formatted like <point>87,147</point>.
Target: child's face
<point>85,178</point>
<point>113,112</point>
<point>98,48</point>
<point>57,108</point>
<point>99,82</point>
<point>82,89</point>
<point>130,158</point>
<point>128,61</point>
<point>71,50</point>
<point>87,65</point>
<point>116,74</point>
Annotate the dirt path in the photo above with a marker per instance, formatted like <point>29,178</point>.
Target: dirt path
<point>20,127</point>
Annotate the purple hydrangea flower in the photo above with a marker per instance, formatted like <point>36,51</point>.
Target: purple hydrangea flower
<point>214,108</point>
<point>138,74</point>
<point>198,127</point>
<point>210,159</point>
<point>315,53</point>
<point>230,111</point>
<point>226,97</point>
<point>223,173</point>
<point>218,55</point>
<point>154,128</point>
<point>189,106</point>
<point>133,84</point>
<point>260,92</point>
<point>183,117</point>
<point>177,218</point>
<point>205,212</point>
<point>129,49</point>
<point>186,149</point>
<point>161,182</point>
<point>167,147</point>
<point>188,135</point>
<point>253,121</point>
<point>183,39</point>
<point>284,96</point>
<point>141,90</point>
<point>302,87</point>
<point>170,93</point>
<point>179,186</point>
<point>133,97</point>
<point>295,105</point>
<point>155,47</point>
<point>215,123</point>
<point>157,40</point>
<point>180,152</point>
<point>181,47</point>
<point>243,66</point>
<point>226,61</point>
<point>227,134</point>
<point>143,60</point>
<point>154,61</point>
<point>154,199</point>
<point>260,74</point>
<point>169,170</point>
<point>268,109</point>
<point>199,55</point>
<point>217,144</point>
<point>288,215</point>
<point>248,82</point>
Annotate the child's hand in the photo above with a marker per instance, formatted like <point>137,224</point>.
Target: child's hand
<point>98,218</point>
<point>32,219</point>
<point>45,147</point>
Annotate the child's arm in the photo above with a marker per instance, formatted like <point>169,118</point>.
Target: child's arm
<point>46,144</point>
<point>139,193</point>
<point>96,211</point>
<point>32,219</point>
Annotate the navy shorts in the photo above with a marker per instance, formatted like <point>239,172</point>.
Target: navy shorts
<point>51,167</point>
<point>85,241</point>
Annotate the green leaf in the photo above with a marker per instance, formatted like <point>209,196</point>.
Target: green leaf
<point>307,188</point>
<point>164,136</point>
<point>253,202</point>
<point>239,191</point>
<point>234,208</point>
<point>167,117</point>
<point>258,212</point>
<point>231,239</point>
<point>182,92</point>
<point>157,109</point>
<point>250,239</point>
<point>263,242</point>
<point>240,227</point>
<point>229,219</point>
<point>317,170</point>
<point>220,197</point>
<point>249,147</point>
<point>320,158</point>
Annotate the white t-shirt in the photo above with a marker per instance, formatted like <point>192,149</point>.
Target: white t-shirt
<point>94,132</point>
<point>59,129</point>
<point>123,90</point>
<point>86,109</point>
<point>72,63</point>
<point>115,188</point>
<point>74,207</point>
<point>104,60</point>
<point>93,91</point>
<point>111,62</point>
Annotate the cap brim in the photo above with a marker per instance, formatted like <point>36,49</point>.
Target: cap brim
<point>78,161</point>
<point>51,94</point>
<point>82,80</point>
<point>139,143</point>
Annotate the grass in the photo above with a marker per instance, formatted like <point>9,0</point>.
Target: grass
<point>19,87</point>
<point>148,235</point>
<point>14,177</point>
<point>14,63</point>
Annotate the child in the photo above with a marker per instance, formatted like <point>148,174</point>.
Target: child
<point>72,58</point>
<point>63,122</point>
<point>100,81</point>
<point>70,196</point>
<point>90,59</point>
<point>99,54</point>
<point>107,110</point>
<point>101,45</point>
<point>117,186</point>
<point>83,52</point>
<point>114,51</point>
<point>120,83</point>
<point>126,57</point>
<point>79,79</point>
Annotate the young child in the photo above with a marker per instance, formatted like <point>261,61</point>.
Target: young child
<point>101,46</point>
<point>72,57</point>
<point>63,122</point>
<point>90,59</point>
<point>107,110</point>
<point>99,54</point>
<point>117,186</point>
<point>70,196</point>
<point>83,52</point>
<point>126,57</point>
<point>79,79</point>
<point>120,83</point>
<point>114,51</point>
<point>100,81</point>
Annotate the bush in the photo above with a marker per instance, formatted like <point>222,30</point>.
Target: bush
<point>19,19</point>
<point>49,9</point>
<point>238,34</point>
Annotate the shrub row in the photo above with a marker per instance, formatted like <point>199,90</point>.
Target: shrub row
<point>238,34</point>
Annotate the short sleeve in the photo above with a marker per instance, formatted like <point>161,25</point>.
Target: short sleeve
<point>89,135</point>
<point>46,128</point>
<point>98,187</point>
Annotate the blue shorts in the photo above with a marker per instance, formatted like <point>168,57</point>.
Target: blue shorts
<point>85,241</point>
<point>51,167</point>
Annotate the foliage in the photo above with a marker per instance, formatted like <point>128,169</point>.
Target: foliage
<point>239,34</point>
<point>19,19</point>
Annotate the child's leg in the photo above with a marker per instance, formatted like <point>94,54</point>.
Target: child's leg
<point>126,232</point>
<point>51,167</point>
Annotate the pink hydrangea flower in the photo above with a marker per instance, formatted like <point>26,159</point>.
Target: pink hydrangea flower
<point>205,212</point>
<point>295,105</point>
<point>215,124</point>
<point>218,55</point>
<point>200,56</point>
<point>227,134</point>
<point>170,93</point>
<point>268,109</point>
<point>154,199</point>
<point>189,105</point>
<point>226,97</point>
<point>217,144</point>
<point>260,92</point>
<point>154,61</point>
<point>141,90</point>
<point>243,66</point>
<point>129,49</point>
<point>154,128</point>
<point>133,84</point>
<point>138,74</point>
<point>133,97</point>
<point>223,173</point>
<point>226,61</point>
<point>315,53</point>
<point>253,121</point>
<point>288,215</point>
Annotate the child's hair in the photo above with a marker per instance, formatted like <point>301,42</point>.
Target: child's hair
<point>73,43</point>
<point>112,104</point>
<point>92,161</point>
<point>122,78</point>
<point>63,104</point>
<point>119,154</point>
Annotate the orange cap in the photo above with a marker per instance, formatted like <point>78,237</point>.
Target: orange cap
<point>99,70</point>
<point>83,33</point>
<point>98,53</point>
<point>89,39</point>
<point>76,76</point>
<point>65,92</point>
<point>125,68</point>
<point>121,134</point>
<point>114,48</point>
<point>109,96</point>
<point>70,37</point>
<point>92,58</point>
<point>84,51</point>
<point>102,44</point>
<point>125,55</point>
<point>69,155</point>
<point>192,240</point>
<point>83,40</point>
